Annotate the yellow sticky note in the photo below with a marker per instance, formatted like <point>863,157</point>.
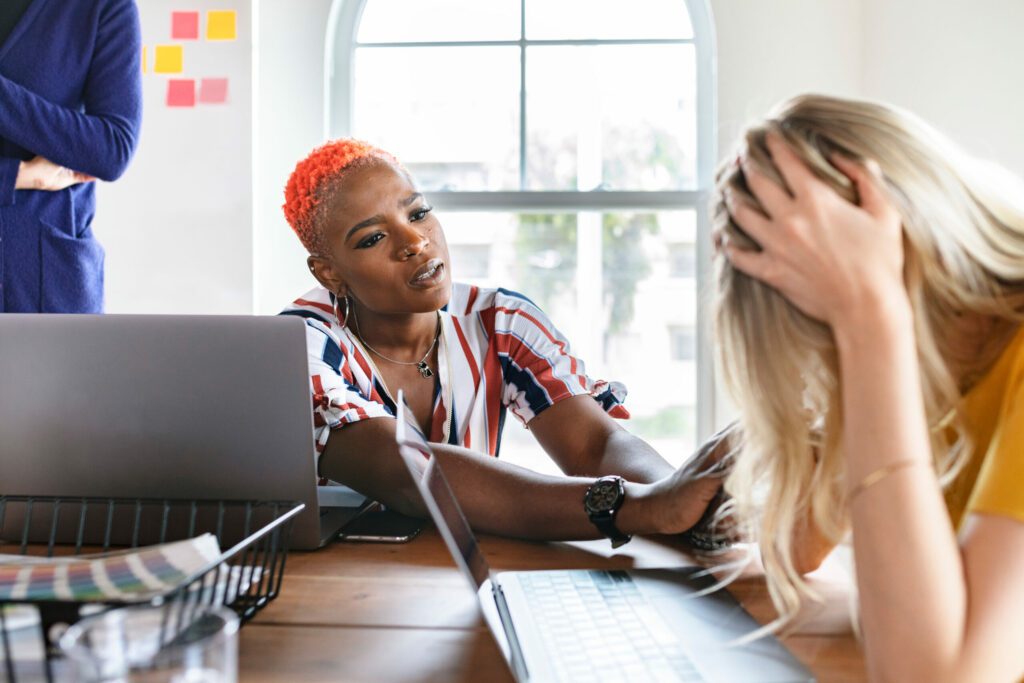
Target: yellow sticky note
<point>170,59</point>
<point>221,25</point>
<point>145,68</point>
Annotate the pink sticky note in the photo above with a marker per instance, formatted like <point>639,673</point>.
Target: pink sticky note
<point>181,92</point>
<point>184,25</point>
<point>213,90</point>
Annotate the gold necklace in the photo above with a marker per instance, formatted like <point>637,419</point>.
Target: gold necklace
<point>421,364</point>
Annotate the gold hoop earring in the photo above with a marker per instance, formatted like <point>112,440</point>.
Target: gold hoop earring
<point>343,319</point>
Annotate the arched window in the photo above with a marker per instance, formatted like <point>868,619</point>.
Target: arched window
<point>568,146</point>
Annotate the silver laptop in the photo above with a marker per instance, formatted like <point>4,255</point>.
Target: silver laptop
<point>586,625</point>
<point>194,407</point>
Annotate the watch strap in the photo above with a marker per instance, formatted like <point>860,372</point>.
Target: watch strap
<point>606,525</point>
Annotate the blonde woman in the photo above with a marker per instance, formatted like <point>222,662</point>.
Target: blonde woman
<point>870,294</point>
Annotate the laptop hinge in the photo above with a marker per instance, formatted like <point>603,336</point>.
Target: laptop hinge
<point>515,652</point>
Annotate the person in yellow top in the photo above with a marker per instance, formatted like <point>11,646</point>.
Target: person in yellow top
<point>869,296</point>
<point>992,481</point>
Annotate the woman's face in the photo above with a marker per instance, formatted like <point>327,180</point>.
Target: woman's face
<point>386,247</point>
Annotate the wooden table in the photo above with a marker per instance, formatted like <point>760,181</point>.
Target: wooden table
<point>397,613</point>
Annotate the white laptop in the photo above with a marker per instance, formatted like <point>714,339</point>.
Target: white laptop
<point>163,406</point>
<point>590,625</point>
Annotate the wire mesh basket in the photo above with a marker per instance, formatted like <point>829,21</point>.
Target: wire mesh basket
<point>252,535</point>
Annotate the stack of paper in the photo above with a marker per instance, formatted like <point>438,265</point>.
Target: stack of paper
<point>129,576</point>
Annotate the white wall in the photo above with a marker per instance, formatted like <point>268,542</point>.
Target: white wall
<point>290,114</point>
<point>957,64</point>
<point>775,49</point>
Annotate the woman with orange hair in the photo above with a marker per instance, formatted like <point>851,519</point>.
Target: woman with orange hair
<point>387,316</point>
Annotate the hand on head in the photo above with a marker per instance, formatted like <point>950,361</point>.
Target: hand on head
<point>825,254</point>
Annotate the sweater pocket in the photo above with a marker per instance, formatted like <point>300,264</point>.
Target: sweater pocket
<point>72,271</point>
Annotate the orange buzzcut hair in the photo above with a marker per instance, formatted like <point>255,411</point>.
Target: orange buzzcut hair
<point>314,179</point>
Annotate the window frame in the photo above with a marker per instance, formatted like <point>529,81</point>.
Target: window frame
<point>341,43</point>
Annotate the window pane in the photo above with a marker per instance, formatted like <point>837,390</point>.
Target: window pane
<point>682,259</point>
<point>599,116</point>
<point>583,19</point>
<point>415,103</point>
<point>683,341</point>
<point>624,329</point>
<point>392,21</point>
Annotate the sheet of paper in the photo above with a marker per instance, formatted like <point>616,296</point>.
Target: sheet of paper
<point>138,575</point>
<point>226,584</point>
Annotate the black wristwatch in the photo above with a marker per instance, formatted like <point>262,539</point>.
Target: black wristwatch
<point>602,502</point>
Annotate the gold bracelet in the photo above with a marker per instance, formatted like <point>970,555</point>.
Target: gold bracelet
<point>878,475</point>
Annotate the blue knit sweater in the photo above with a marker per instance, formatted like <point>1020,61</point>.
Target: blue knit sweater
<point>70,91</point>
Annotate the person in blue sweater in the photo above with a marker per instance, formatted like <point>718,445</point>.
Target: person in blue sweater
<point>70,111</point>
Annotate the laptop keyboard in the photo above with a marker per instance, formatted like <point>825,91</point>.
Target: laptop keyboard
<point>597,626</point>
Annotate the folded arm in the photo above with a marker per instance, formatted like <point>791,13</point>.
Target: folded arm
<point>101,140</point>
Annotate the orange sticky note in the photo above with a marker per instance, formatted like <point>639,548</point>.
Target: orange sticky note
<point>170,59</point>
<point>181,92</point>
<point>221,25</point>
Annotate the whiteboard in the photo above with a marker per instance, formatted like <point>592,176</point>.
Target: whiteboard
<point>177,227</point>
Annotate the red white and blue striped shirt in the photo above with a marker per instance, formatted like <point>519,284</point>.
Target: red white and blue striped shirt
<point>497,352</point>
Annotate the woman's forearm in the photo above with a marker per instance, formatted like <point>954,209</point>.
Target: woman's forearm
<point>909,572</point>
<point>505,499</point>
<point>496,496</point>
<point>502,498</point>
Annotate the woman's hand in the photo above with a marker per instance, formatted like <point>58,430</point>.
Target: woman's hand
<point>679,501</point>
<point>43,174</point>
<point>829,257</point>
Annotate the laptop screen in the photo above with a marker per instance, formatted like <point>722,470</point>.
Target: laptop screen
<point>444,508</point>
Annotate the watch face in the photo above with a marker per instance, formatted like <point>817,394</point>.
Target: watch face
<point>603,496</point>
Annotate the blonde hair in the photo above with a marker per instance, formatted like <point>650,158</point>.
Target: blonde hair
<point>964,253</point>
